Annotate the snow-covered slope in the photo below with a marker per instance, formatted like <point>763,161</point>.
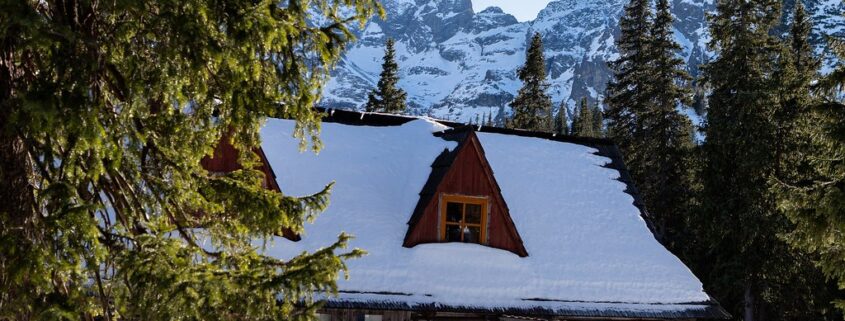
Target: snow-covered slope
<point>460,65</point>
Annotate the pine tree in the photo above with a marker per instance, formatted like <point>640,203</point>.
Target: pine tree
<point>108,107</point>
<point>598,121</point>
<point>584,124</point>
<point>815,203</point>
<point>740,225</point>
<point>661,137</point>
<point>644,122</point>
<point>562,120</point>
<point>387,97</point>
<point>629,90</point>
<point>810,178</point>
<point>796,69</point>
<point>532,104</point>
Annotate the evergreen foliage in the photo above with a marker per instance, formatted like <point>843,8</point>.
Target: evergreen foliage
<point>387,97</point>
<point>583,123</point>
<point>812,194</point>
<point>751,270</point>
<point>737,213</point>
<point>107,108</point>
<point>598,121</point>
<point>562,120</point>
<point>643,119</point>
<point>532,105</point>
<point>663,136</point>
<point>628,91</point>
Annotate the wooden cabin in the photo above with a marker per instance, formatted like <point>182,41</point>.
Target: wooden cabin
<point>474,223</point>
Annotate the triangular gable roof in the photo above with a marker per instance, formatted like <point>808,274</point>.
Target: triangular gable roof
<point>469,148</point>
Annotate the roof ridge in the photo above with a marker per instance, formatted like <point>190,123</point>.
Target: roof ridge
<point>351,117</point>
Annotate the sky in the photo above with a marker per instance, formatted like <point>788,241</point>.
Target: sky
<point>523,10</point>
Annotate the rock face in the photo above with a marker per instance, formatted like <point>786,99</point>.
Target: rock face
<point>460,65</point>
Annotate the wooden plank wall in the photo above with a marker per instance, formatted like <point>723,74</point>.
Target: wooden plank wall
<point>468,176</point>
<point>358,315</point>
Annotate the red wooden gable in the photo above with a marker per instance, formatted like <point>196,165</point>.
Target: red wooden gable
<point>464,171</point>
<point>225,160</point>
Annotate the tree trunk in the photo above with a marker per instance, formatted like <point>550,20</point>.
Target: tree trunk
<point>15,188</point>
<point>748,310</point>
<point>17,203</point>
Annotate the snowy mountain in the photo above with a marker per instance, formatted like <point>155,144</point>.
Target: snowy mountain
<point>460,65</point>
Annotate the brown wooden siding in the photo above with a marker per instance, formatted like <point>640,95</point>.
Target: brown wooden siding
<point>358,315</point>
<point>225,160</point>
<point>398,315</point>
<point>470,175</point>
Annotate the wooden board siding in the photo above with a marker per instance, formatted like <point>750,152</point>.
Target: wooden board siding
<point>400,315</point>
<point>470,175</point>
<point>225,160</point>
<point>358,315</point>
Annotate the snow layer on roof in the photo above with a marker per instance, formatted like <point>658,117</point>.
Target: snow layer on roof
<point>586,241</point>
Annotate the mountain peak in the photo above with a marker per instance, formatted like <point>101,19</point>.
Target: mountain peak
<point>492,10</point>
<point>460,65</point>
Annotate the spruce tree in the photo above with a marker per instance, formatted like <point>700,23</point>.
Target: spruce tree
<point>598,121</point>
<point>796,69</point>
<point>662,135</point>
<point>647,88</point>
<point>584,124</point>
<point>107,109</point>
<point>750,266</point>
<point>629,89</point>
<point>562,120</point>
<point>387,97</point>
<point>532,105</point>
<point>810,179</point>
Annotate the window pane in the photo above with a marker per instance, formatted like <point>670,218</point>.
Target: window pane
<point>453,233</point>
<point>454,212</point>
<point>472,234</point>
<point>473,214</point>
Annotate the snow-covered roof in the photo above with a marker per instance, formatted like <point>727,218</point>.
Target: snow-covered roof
<point>590,251</point>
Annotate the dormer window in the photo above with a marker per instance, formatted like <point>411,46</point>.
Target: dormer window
<point>463,219</point>
<point>461,201</point>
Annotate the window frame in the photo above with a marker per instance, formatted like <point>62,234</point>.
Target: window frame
<point>482,201</point>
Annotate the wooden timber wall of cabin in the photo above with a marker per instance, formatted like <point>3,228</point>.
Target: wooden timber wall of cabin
<point>358,315</point>
<point>392,315</point>
<point>396,315</point>
<point>225,160</point>
<point>469,175</point>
